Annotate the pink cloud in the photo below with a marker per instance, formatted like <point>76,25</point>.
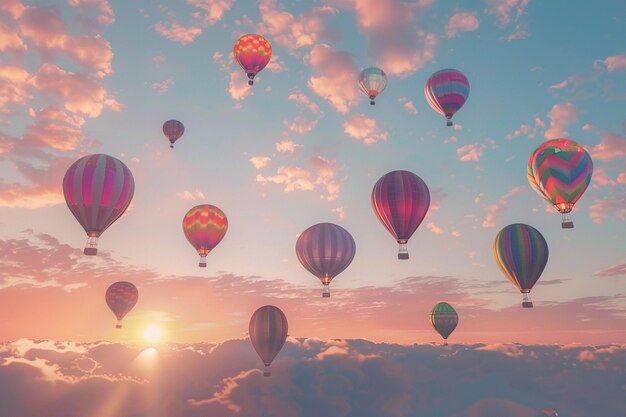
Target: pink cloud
<point>212,10</point>
<point>461,22</point>
<point>363,128</point>
<point>160,59</point>
<point>408,105</point>
<point>472,152</point>
<point>611,146</point>
<point>612,271</point>
<point>334,77</point>
<point>276,64</point>
<point>287,146</point>
<point>260,161</point>
<point>163,86</point>
<point>495,210</point>
<point>340,212</point>
<point>14,84</point>
<point>601,209</point>
<point>104,10</point>
<point>560,85</point>
<point>55,128</point>
<point>530,131</point>
<point>504,9</point>
<point>561,116</point>
<point>303,100</point>
<point>518,33</point>
<point>300,125</point>
<point>187,195</point>
<point>177,33</point>
<point>13,8</point>
<point>238,86</point>
<point>434,228</point>
<point>615,63</point>
<point>293,178</point>
<point>10,39</point>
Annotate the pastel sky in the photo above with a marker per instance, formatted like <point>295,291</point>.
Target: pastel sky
<point>303,146</point>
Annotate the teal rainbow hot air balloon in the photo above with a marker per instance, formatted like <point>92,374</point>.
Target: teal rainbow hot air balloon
<point>521,253</point>
<point>444,319</point>
<point>560,171</point>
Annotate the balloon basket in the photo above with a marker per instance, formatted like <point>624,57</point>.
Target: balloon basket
<point>250,82</point>
<point>171,146</point>
<point>372,103</point>
<point>326,292</point>
<point>526,301</point>
<point>118,325</point>
<point>202,262</point>
<point>449,123</point>
<point>403,252</point>
<point>266,371</point>
<point>567,225</point>
<point>91,248</point>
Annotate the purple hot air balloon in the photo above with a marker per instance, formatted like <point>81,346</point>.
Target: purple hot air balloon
<point>268,332</point>
<point>98,189</point>
<point>400,200</point>
<point>325,250</point>
<point>446,91</point>
<point>173,130</point>
<point>121,297</point>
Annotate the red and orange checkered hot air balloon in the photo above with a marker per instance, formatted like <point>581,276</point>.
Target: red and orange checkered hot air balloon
<point>205,226</point>
<point>121,297</point>
<point>252,53</point>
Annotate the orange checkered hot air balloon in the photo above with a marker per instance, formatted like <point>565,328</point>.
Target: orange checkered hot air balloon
<point>252,53</point>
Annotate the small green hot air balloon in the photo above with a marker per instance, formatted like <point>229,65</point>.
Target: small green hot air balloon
<point>444,319</point>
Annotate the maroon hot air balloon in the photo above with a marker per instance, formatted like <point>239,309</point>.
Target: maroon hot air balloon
<point>173,130</point>
<point>325,250</point>
<point>98,189</point>
<point>121,297</point>
<point>400,200</point>
<point>268,332</point>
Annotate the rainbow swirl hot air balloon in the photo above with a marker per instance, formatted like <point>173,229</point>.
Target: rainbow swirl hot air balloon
<point>173,130</point>
<point>325,250</point>
<point>446,91</point>
<point>98,189</point>
<point>444,319</point>
<point>372,82</point>
<point>204,227</point>
<point>268,330</point>
<point>400,200</point>
<point>121,297</point>
<point>252,53</point>
<point>521,253</point>
<point>561,171</point>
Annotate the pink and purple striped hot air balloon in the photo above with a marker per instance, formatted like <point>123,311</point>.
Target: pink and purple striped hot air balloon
<point>521,253</point>
<point>268,332</point>
<point>561,171</point>
<point>372,82</point>
<point>325,250</point>
<point>98,189</point>
<point>252,52</point>
<point>400,200</point>
<point>204,226</point>
<point>173,130</point>
<point>446,91</point>
<point>121,297</point>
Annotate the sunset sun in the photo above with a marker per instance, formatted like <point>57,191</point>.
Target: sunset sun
<point>153,333</point>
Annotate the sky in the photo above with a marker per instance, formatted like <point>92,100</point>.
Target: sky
<point>300,147</point>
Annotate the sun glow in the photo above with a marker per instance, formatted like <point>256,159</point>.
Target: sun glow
<point>153,333</point>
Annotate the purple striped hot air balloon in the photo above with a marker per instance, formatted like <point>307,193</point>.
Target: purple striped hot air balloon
<point>173,130</point>
<point>400,200</point>
<point>325,250</point>
<point>521,253</point>
<point>121,297</point>
<point>446,91</point>
<point>98,189</point>
<point>561,170</point>
<point>268,332</point>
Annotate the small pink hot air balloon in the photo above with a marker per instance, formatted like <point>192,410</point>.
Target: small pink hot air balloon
<point>400,200</point>
<point>121,297</point>
<point>252,52</point>
<point>325,250</point>
<point>205,226</point>
<point>98,189</point>
<point>173,130</point>
<point>268,333</point>
<point>446,91</point>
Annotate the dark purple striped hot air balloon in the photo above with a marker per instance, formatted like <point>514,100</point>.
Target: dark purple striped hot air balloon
<point>268,332</point>
<point>173,130</point>
<point>98,189</point>
<point>446,91</point>
<point>400,200</point>
<point>325,250</point>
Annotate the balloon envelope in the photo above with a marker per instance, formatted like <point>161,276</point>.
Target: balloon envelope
<point>446,91</point>
<point>252,52</point>
<point>121,297</point>
<point>444,319</point>
<point>204,227</point>
<point>173,130</point>
<point>400,200</point>
<point>268,332</point>
<point>521,253</point>
<point>372,82</point>
<point>98,189</point>
<point>562,170</point>
<point>325,250</point>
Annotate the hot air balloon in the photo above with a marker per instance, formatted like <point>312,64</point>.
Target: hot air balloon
<point>325,250</point>
<point>205,226</point>
<point>521,253</point>
<point>400,200</point>
<point>173,130</point>
<point>252,53</point>
<point>446,91</point>
<point>444,319</point>
<point>562,170</point>
<point>121,297</point>
<point>268,332</point>
<point>372,82</point>
<point>98,189</point>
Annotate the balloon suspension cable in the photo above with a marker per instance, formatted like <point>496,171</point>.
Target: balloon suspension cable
<point>445,342</point>
<point>119,324</point>
<point>526,301</point>
<point>91,248</point>
<point>566,221</point>
<point>403,252</point>
<point>251,79</point>
<point>202,262</point>
<point>266,371</point>
<point>449,123</point>
<point>326,291</point>
<point>172,146</point>
<point>372,102</point>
